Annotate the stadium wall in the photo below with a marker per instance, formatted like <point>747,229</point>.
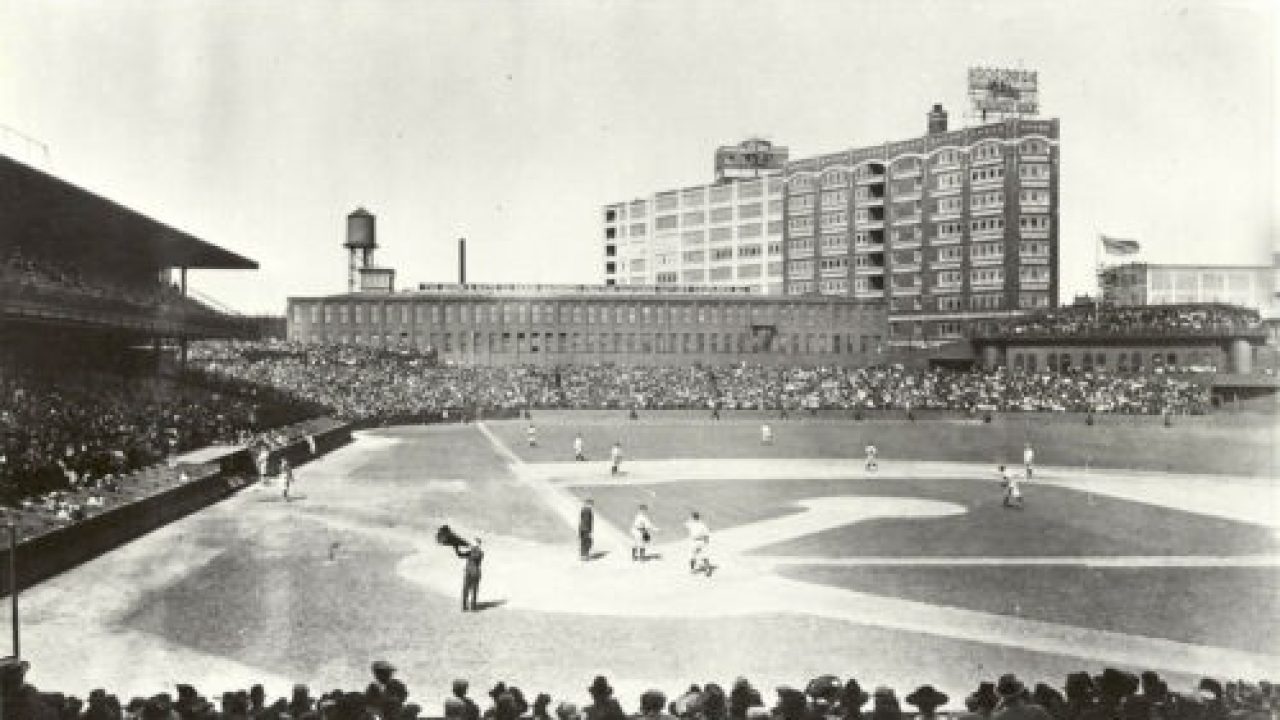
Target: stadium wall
<point>54,552</point>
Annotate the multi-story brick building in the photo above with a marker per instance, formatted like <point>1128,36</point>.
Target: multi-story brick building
<point>506,324</point>
<point>946,229</point>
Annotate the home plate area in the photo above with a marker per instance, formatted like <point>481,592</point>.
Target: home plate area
<point>925,548</point>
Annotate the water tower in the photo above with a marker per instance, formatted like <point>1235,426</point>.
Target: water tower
<point>362,240</point>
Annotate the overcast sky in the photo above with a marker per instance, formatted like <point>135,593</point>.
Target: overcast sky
<point>259,126</point>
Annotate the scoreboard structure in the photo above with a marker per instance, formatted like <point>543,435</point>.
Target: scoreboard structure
<point>1001,93</point>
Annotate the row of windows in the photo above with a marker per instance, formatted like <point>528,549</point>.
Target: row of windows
<point>949,180</point>
<point>535,313</point>
<point>906,166</point>
<point>642,343</point>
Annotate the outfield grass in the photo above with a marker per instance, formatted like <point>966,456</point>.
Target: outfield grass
<point>1225,607</point>
<point>1055,521</point>
<point>1202,445</point>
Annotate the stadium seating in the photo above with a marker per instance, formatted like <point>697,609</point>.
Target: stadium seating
<point>369,384</point>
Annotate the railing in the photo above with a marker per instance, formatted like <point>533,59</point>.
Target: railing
<point>176,315</point>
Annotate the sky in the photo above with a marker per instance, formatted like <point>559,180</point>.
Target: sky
<point>259,125</point>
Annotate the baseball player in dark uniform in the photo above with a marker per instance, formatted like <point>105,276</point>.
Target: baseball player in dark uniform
<point>470,574</point>
<point>586,524</point>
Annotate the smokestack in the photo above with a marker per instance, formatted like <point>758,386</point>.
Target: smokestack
<point>462,261</point>
<point>937,120</point>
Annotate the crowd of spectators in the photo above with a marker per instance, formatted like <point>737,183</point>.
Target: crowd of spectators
<point>19,271</point>
<point>1130,321</point>
<point>367,384</point>
<point>1111,695</point>
<point>79,434</point>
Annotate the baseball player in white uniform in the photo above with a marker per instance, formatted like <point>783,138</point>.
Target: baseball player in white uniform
<point>871,464</point>
<point>1012,489</point>
<point>642,530</point>
<point>579,451</point>
<point>532,434</point>
<point>1028,457</point>
<point>766,434</point>
<point>699,538</point>
<point>615,456</point>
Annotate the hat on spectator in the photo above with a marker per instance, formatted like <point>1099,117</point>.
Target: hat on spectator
<point>1080,686</point>
<point>1116,683</point>
<point>652,701</point>
<point>791,703</point>
<point>984,698</point>
<point>712,703</point>
<point>497,690</point>
<point>823,687</point>
<point>382,666</point>
<point>1009,685</point>
<point>1047,697</point>
<point>927,698</point>
<point>460,687</point>
<point>1212,687</point>
<point>688,703</point>
<point>600,687</point>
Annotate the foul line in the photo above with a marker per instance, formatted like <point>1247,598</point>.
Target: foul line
<point>560,501</point>
<point>1136,561</point>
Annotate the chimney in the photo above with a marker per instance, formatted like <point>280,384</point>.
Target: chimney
<point>462,261</point>
<point>937,120</point>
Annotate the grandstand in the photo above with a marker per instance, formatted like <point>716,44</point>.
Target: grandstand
<point>96,409</point>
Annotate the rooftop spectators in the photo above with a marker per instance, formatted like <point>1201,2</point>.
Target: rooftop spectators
<point>1110,695</point>
<point>369,384</point>
<point>1143,320</point>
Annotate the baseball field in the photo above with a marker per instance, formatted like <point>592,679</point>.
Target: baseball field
<point>1139,546</point>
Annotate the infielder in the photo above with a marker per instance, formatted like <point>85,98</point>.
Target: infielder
<point>615,457</point>
<point>1012,489</point>
<point>286,472</point>
<point>871,464</point>
<point>699,538</point>
<point>642,530</point>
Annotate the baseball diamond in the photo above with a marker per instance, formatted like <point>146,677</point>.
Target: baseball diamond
<point>811,551</point>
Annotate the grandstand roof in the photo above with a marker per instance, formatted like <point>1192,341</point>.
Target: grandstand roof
<point>40,210</point>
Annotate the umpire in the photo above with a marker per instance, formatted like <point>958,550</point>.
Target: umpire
<point>586,524</point>
<point>471,574</point>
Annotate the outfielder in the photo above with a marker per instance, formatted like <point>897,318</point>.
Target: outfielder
<point>579,451</point>
<point>871,464</point>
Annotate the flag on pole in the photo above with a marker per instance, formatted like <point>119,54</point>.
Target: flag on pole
<point>1119,246</point>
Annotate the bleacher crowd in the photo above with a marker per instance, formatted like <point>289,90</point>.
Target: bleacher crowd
<point>1111,695</point>
<point>1129,321</point>
<point>368,384</point>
